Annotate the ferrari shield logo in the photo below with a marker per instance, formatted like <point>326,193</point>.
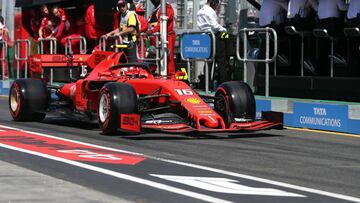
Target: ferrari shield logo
<point>193,100</point>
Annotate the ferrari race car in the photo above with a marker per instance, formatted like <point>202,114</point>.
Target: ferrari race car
<point>129,97</point>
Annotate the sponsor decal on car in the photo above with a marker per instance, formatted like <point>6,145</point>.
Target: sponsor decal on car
<point>205,112</point>
<point>239,120</point>
<point>201,107</point>
<point>158,121</point>
<point>193,100</point>
<point>130,122</point>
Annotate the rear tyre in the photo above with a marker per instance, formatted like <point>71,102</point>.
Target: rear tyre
<point>115,99</point>
<point>235,100</point>
<point>28,100</point>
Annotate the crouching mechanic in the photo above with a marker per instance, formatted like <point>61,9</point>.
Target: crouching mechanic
<point>128,26</point>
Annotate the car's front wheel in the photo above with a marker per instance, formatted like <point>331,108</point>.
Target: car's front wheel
<point>235,100</point>
<point>115,99</point>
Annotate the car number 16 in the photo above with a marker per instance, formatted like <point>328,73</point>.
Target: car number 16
<point>187,92</point>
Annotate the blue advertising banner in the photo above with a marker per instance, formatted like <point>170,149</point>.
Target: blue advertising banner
<point>354,126</point>
<point>5,87</point>
<point>196,46</point>
<point>321,116</point>
<point>262,105</point>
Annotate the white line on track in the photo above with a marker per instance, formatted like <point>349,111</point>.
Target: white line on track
<point>123,176</point>
<point>281,184</point>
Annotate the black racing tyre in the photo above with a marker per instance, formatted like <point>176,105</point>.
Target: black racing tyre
<point>28,100</point>
<point>235,100</point>
<point>115,99</point>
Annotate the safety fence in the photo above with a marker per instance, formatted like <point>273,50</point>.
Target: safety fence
<point>52,45</point>
<point>22,57</point>
<point>3,59</point>
<point>153,54</point>
<point>194,46</point>
<point>269,34</point>
<point>69,43</point>
<point>116,43</point>
<point>49,46</point>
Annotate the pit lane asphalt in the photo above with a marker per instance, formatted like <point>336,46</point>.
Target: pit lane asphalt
<point>315,160</point>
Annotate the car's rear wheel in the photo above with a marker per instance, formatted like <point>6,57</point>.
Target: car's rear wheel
<point>28,100</point>
<point>235,100</point>
<point>115,99</point>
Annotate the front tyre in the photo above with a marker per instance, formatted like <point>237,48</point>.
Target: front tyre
<point>115,99</point>
<point>28,100</point>
<point>235,100</point>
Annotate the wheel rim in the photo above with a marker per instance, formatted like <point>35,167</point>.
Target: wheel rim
<point>221,104</point>
<point>103,108</point>
<point>14,100</point>
<point>223,108</point>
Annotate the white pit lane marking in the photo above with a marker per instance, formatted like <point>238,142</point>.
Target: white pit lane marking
<point>123,176</point>
<point>281,184</point>
<point>225,185</point>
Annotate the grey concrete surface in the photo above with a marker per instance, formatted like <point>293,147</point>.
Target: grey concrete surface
<point>21,185</point>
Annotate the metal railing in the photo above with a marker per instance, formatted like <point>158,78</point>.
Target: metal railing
<point>52,50</point>
<point>117,39</point>
<point>18,57</point>
<point>267,60</point>
<point>188,60</point>
<point>52,45</point>
<point>102,43</point>
<point>158,56</point>
<point>3,57</point>
<point>82,45</point>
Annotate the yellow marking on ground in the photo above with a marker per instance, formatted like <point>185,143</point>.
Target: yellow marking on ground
<point>324,132</point>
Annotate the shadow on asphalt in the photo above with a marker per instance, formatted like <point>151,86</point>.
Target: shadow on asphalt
<point>71,123</point>
<point>192,136</point>
<point>157,135</point>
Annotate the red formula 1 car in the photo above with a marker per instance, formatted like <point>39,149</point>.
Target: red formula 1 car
<point>128,97</point>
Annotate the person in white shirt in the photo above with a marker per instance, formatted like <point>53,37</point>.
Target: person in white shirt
<point>207,20</point>
<point>272,12</point>
<point>331,8</point>
<point>329,13</point>
<point>353,14</point>
<point>301,13</point>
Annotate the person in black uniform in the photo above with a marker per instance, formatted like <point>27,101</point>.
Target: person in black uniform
<point>331,18</point>
<point>273,14</point>
<point>353,43</point>
<point>302,15</point>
